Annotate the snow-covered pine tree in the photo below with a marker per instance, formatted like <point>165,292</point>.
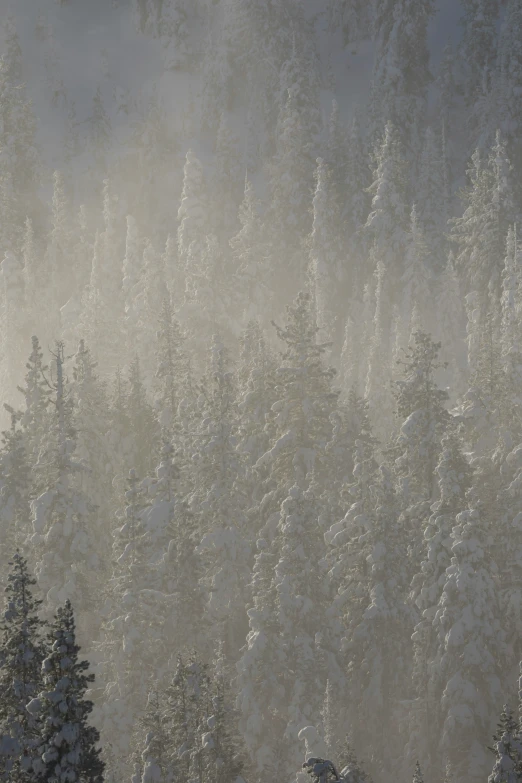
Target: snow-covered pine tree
<point>156,757</point>
<point>300,607</point>
<point>352,770</point>
<point>175,34</point>
<point>249,253</point>
<point>121,633</point>
<point>328,273</point>
<point>464,674</point>
<point>506,747</point>
<point>224,756</point>
<point>387,223</point>
<point>12,298</point>
<point>132,281</point>
<point>20,166</point>
<point>20,663</point>
<point>65,553</point>
<point>67,744</point>
<point>454,480</point>
<point>354,18</point>
<point>401,75</point>
<point>260,700</point>
<point>291,180</point>
<point>480,233</point>
<point>478,50</point>
<point>31,272</point>
<point>192,212</point>
<point>510,87</point>
<point>37,401</point>
<point>143,426</point>
<point>59,269</point>
<point>16,489</point>
<point>103,302</point>
<point>511,414</point>
<point>219,502</point>
<point>345,560</point>
<point>256,395</point>
<point>377,656</point>
<point>418,777</point>
<point>378,388</point>
<point>172,377</point>
<point>91,419</point>
<point>449,330</point>
<point>421,409</point>
<point>187,699</point>
<point>417,281</point>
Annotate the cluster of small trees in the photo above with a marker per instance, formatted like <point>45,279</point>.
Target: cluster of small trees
<point>44,731</point>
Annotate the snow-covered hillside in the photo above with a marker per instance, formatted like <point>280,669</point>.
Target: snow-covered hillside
<point>261,308</point>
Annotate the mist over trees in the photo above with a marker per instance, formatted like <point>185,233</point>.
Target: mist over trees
<point>260,366</point>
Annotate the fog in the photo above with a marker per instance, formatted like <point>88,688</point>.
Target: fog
<point>261,310</point>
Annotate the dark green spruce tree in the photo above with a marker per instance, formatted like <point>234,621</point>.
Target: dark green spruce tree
<point>67,750</point>
<point>20,678</point>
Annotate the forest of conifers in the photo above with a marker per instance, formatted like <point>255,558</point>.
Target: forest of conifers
<point>261,378</point>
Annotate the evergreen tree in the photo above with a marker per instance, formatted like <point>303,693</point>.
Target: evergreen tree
<point>377,658</point>
<point>218,500</point>
<point>172,370</point>
<point>418,777</point>
<point>20,166</point>
<point>450,313</point>
<point>417,280</point>
<point>291,180</point>
<point>506,749</point>
<point>11,313</point>
<point>249,252</point>
<point>478,49</point>
<point>143,427</point>
<point>454,479</point>
<point>301,416</point>
<point>326,259</point>
<point>379,370</point>
<point>122,632</point>
<point>300,608</point>
<point>20,662</point>
<point>192,212</point>
<point>175,33</point>
<point>91,419</point>
<point>66,555</point>
<point>36,395</point>
<point>225,756</point>
<point>465,670</point>
<point>156,763</point>
<point>186,696</point>
<point>401,72</point>
<point>387,221</point>
<point>488,211</point>
<point>60,271</point>
<point>420,406</point>
<point>67,743</point>
<point>15,487</point>
<point>354,18</point>
<point>510,78</point>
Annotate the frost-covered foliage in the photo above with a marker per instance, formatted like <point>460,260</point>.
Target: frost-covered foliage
<point>66,743</point>
<point>307,535</point>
